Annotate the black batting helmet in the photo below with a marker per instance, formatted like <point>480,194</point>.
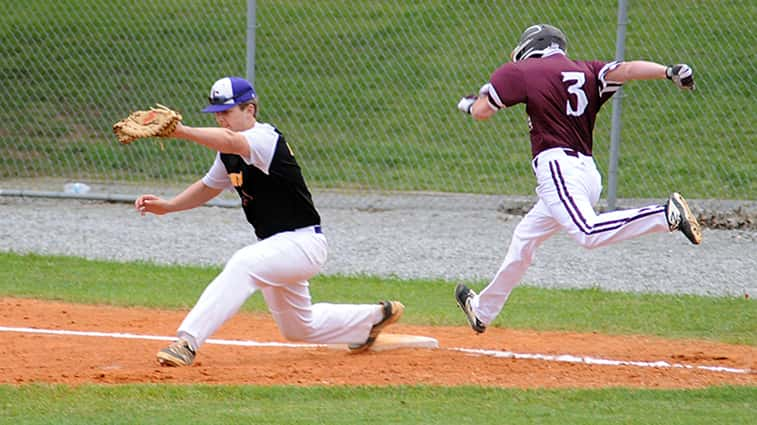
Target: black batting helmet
<point>536,39</point>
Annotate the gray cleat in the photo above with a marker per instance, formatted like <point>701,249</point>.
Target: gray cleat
<point>681,218</point>
<point>178,353</point>
<point>463,295</point>
<point>392,312</point>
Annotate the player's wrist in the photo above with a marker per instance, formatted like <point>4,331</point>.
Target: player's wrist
<point>669,72</point>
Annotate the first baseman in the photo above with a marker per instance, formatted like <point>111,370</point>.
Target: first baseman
<point>562,98</point>
<point>254,159</point>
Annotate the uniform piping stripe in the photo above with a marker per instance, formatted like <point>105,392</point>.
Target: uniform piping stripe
<point>608,86</point>
<point>494,99</point>
<point>575,213</point>
<point>570,205</point>
<point>559,193</point>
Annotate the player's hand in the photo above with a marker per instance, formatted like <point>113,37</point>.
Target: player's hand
<point>682,75</point>
<point>465,104</point>
<point>151,204</point>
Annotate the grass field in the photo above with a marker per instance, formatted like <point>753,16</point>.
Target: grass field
<point>365,92</point>
<point>726,319</point>
<point>429,302</point>
<point>366,95</point>
<point>162,404</point>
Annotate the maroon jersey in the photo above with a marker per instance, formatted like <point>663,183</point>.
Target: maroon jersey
<point>562,98</point>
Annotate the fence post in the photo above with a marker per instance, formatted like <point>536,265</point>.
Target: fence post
<point>251,25</point>
<point>620,45</point>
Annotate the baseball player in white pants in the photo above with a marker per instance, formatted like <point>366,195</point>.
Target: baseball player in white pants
<point>254,159</point>
<point>562,98</point>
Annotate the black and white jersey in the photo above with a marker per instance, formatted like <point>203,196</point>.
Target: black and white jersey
<point>270,184</point>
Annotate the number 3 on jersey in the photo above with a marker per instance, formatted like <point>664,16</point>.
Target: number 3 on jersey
<point>575,89</point>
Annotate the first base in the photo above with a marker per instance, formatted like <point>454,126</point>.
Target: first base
<point>387,341</point>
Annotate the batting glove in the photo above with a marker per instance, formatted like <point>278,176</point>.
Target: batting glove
<point>682,75</point>
<point>466,103</point>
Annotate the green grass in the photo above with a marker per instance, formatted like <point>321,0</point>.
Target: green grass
<point>428,302</point>
<point>202,404</point>
<point>366,94</point>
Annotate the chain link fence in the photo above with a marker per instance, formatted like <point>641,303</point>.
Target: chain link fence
<point>366,91</point>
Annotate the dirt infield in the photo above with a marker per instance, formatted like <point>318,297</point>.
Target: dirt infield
<point>71,359</point>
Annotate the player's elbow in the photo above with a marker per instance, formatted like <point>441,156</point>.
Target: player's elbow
<point>482,114</point>
<point>480,117</point>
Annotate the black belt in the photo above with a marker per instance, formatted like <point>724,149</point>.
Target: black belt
<point>569,152</point>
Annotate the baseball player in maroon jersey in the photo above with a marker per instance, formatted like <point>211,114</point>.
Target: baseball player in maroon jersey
<point>254,159</point>
<point>562,98</point>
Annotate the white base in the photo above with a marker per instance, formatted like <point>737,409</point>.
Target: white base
<point>387,341</point>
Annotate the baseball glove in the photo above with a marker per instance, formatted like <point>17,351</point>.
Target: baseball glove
<point>157,122</point>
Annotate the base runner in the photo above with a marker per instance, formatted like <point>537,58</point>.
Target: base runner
<point>562,98</point>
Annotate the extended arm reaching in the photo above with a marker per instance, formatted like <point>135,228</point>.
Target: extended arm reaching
<point>218,139</point>
<point>195,195</point>
<point>681,74</point>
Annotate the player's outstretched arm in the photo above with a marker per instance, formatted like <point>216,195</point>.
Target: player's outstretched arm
<point>219,139</point>
<point>477,106</point>
<point>195,195</point>
<point>681,74</point>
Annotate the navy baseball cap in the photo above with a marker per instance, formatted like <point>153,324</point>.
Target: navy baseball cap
<point>227,92</point>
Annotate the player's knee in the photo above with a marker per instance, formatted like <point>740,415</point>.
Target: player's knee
<point>591,245</point>
<point>585,241</point>
<point>237,261</point>
<point>245,262</point>
<point>301,332</point>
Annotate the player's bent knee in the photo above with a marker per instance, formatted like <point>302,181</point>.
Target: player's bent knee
<point>586,242</point>
<point>590,244</point>
<point>299,332</point>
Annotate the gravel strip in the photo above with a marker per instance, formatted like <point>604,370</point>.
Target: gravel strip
<point>460,237</point>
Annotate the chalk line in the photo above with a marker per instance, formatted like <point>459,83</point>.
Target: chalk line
<point>560,358</point>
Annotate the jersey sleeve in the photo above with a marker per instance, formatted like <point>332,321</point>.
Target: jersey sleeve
<point>507,87</point>
<point>606,87</point>
<point>262,140</point>
<point>217,177</point>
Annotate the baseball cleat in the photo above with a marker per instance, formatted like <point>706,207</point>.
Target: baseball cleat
<point>392,312</point>
<point>177,354</point>
<point>464,295</point>
<point>681,218</point>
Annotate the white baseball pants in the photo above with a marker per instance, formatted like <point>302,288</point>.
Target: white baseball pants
<point>280,267</point>
<point>569,186</point>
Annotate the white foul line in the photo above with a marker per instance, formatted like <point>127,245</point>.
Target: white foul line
<point>569,358</point>
<point>563,358</point>
<point>153,337</point>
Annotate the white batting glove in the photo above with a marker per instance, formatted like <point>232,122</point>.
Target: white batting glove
<point>682,75</point>
<point>466,103</point>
